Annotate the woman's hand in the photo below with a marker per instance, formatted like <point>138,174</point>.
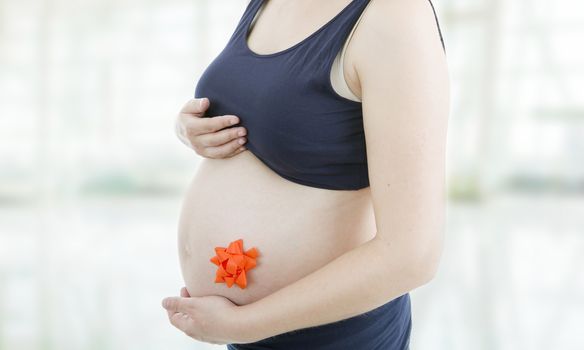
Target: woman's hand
<point>210,319</point>
<point>205,135</point>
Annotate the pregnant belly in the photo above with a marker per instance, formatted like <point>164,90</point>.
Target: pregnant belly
<point>296,228</point>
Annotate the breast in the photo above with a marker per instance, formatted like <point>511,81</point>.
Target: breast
<point>296,124</point>
<point>296,229</point>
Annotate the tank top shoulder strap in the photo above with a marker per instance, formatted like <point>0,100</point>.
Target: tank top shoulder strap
<point>438,26</point>
<point>247,16</point>
<point>340,27</point>
<point>337,30</point>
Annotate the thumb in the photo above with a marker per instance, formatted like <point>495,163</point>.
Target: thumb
<point>203,104</point>
<point>175,304</point>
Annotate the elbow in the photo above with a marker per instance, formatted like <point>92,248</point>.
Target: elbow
<point>426,266</point>
<point>428,257</point>
<point>429,271</point>
<point>423,264</point>
<point>418,264</point>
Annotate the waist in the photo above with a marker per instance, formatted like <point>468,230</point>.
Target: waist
<point>385,327</point>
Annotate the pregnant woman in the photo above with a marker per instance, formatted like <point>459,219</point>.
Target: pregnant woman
<point>333,210</point>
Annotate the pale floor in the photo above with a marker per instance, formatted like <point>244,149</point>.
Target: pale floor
<point>73,276</point>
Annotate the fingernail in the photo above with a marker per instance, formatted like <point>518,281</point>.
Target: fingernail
<point>241,141</point>
<point>241,132</point>
<point>233,121</point>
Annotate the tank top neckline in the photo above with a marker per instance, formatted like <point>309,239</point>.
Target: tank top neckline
<point>247,27</point>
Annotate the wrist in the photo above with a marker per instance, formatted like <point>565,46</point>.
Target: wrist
<point>249,327</point>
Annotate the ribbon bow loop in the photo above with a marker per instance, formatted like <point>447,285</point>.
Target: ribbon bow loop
<point>233,262</point>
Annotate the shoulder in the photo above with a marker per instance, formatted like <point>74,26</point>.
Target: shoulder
<point>393,31</point>
<point>404,79</point>
<point>388,19</point>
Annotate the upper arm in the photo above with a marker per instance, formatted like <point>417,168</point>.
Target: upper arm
<point>405,98</point>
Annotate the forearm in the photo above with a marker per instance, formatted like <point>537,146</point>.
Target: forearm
<point>358,281</point>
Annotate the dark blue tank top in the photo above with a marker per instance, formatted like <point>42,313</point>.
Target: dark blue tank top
<point>297,124</point>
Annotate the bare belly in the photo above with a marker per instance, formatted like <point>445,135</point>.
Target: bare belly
<point>296,228</point>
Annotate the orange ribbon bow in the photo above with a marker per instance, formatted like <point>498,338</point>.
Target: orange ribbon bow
<point>233,263</point>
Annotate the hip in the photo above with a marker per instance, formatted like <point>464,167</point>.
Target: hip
<point>386,327</point>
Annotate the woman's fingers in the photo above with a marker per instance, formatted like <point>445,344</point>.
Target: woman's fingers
<point>195,107</point>
<point>200,126</point>
<point>184,292</point>
<point>219,144</point>
<point>227,150</point>
<point>191,119</point>
<point>220,137</point>
<point>212,137</point>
